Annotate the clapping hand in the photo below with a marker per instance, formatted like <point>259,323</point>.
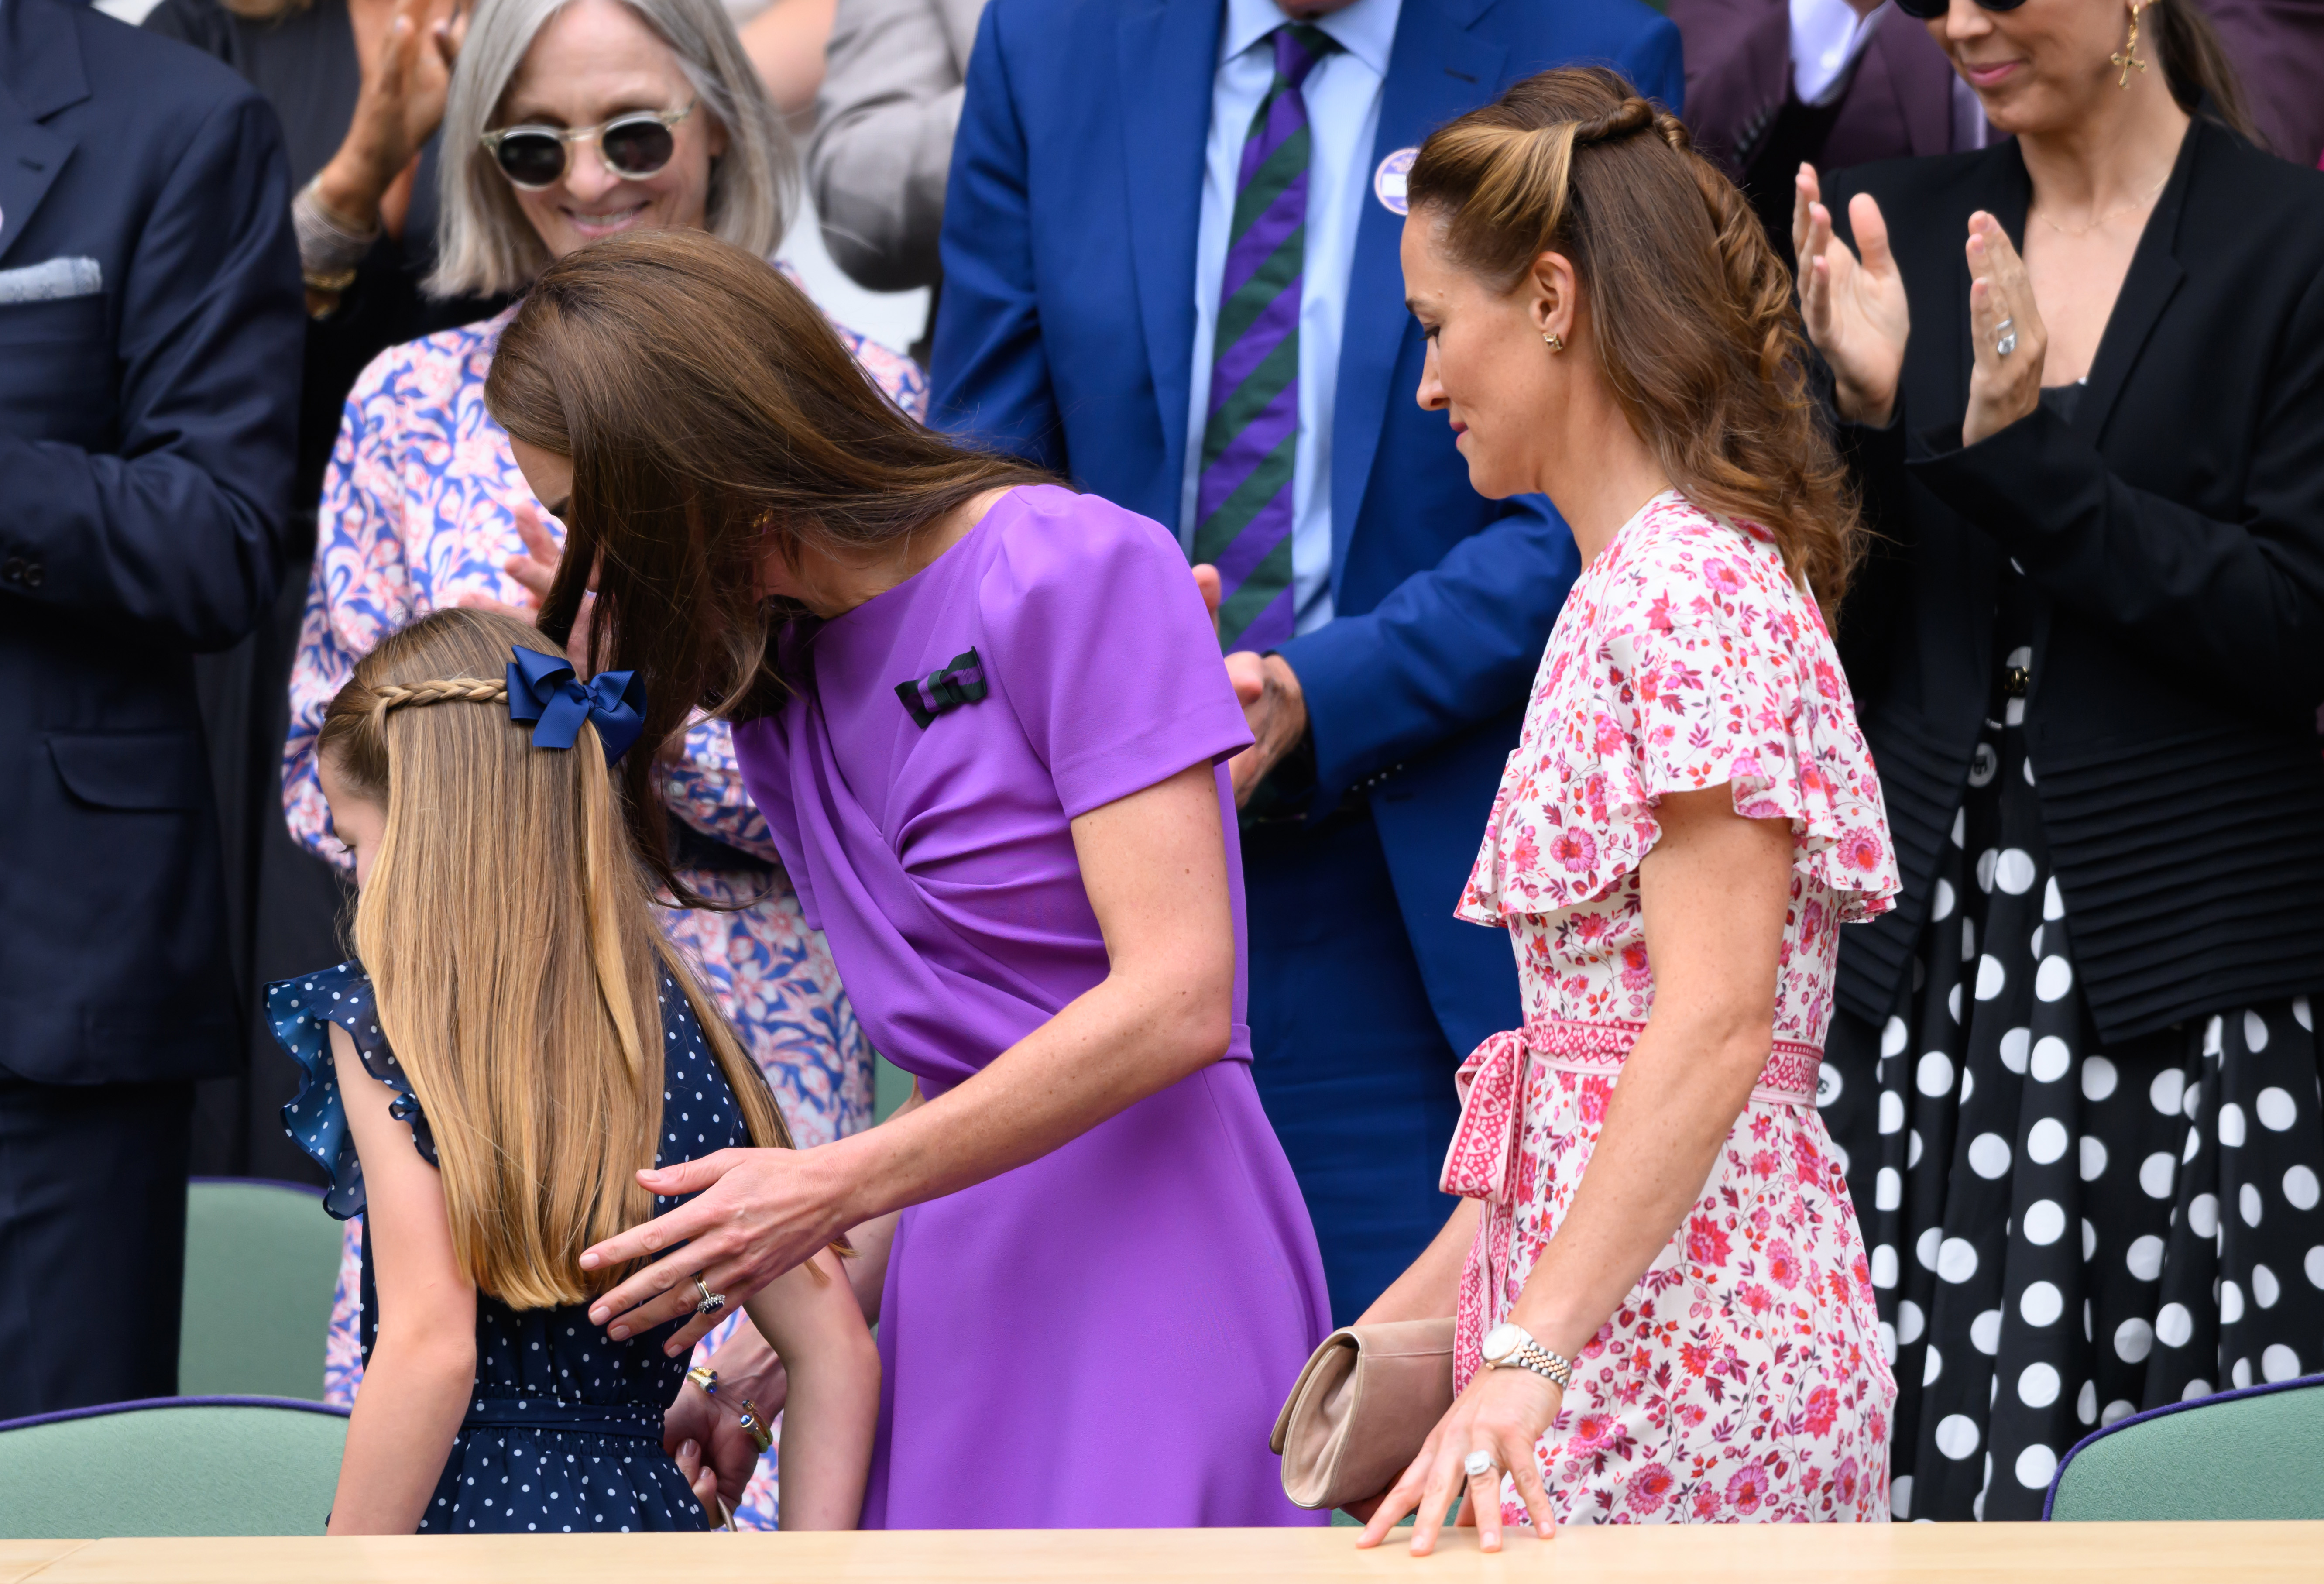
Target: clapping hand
<point>2003,385</point>
<point>534,571</point>
<point>401,101</point>
<point>1854,309</point>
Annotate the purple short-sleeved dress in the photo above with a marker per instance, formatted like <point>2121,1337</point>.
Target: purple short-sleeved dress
<point>1100,1338</point>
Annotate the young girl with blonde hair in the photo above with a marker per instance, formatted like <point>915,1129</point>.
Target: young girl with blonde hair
<point>514,1043</point>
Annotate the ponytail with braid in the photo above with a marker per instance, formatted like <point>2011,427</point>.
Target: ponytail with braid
<point>1695,327</point>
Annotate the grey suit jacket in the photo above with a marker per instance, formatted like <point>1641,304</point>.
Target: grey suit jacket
<point>883,146</point>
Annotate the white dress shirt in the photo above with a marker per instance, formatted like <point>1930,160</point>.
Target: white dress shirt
<point>1343,94</point>
<point>1828,38</point>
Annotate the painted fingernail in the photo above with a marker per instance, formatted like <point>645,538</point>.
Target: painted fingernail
<point>620,1333</point>
<point>597,1315</point>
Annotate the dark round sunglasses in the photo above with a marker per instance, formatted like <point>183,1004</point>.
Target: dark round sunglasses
<point>1924,10</point>
<point>633,145</point>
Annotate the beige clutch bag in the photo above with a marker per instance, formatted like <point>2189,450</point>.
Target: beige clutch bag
<point>1366,1402</point>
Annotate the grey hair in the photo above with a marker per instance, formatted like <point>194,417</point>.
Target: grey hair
<point>485,244</point>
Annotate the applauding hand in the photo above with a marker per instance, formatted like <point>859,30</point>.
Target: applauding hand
<point>1854,310</point>
<point>2005,334</point>
<point>397,110</point>
<point>534,571</point>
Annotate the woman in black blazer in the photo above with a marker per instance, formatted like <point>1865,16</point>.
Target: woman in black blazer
<point>2077,1066</point>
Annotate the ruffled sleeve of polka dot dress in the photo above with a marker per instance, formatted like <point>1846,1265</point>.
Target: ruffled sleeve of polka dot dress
<point>301,1011</point>
<point>1686,658</point>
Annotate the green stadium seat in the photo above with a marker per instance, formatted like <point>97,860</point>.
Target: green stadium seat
<point>172,1466</point>
<point>261,1263</point>
<point>2254,1453</point>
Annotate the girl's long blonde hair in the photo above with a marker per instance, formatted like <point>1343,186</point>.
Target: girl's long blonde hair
<point>516,968</point>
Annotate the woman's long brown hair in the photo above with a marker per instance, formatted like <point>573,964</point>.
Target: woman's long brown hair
<point>713,418</point>
<point>508,932</point>
<point>1695,327</point>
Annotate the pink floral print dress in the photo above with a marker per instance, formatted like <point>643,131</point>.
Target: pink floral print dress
<point>417,510</point>
<point>1743,1377</point>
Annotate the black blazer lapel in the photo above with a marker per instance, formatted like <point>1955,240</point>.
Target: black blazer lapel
<point>2146,290</point>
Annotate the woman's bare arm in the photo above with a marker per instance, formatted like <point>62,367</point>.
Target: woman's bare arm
<point>423,1365</point>
<point>1714,891</point>
<point>1154,864</point>
<point>1429,1286</point>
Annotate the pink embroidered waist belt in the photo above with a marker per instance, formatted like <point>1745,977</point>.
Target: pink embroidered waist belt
<point>1481,1161</point>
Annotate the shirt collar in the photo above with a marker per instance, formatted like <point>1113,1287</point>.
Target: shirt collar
<point>1365,30</point>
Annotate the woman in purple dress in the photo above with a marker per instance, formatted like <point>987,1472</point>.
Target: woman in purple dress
<point>986,723</point>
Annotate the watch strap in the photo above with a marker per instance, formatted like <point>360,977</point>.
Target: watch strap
<point>1549,1364</point>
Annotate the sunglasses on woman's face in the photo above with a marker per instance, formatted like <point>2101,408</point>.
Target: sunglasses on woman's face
<point>633,146</point>
<point>1926,10</point>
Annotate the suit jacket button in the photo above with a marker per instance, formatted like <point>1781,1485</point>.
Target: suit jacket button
<point>31,575</point>
<point>12,570</point>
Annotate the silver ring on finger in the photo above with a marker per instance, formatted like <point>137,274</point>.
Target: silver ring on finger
<point>712,1302</point>
<point>1480,1465</point>
<point>2007,344</point>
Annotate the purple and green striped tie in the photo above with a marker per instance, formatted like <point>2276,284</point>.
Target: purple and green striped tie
<point>1243,501</point>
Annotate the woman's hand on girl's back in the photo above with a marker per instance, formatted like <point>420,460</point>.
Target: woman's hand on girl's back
<point>1854,309</point>
<point>761,1211</point>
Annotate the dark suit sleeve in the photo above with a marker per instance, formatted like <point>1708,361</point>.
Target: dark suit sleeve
<point>181,532</point>
<point>1450,647</point>
<point>2241,602</point>
<point>987,335</point>
<point>1738,73</point>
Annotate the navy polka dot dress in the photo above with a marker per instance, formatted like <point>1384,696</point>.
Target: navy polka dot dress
<point>563,1434</point>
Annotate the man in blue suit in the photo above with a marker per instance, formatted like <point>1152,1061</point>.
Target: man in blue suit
<point>1170,256</point>
<point>150,333</point>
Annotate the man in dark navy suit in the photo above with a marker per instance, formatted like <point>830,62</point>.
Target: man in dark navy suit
<point>1171,273</point>
<point>151,328</point>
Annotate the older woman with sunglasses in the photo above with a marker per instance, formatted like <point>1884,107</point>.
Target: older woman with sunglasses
<point>568,121</point>
<point>2081,378</point>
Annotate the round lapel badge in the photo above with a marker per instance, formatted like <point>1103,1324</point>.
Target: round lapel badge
<point>1387,181</point>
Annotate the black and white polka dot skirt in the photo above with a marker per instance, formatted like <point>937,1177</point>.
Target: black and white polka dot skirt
<point>2064,1232</point>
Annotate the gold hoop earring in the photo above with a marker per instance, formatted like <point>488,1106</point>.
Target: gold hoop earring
<point>2129,56</point>
<point>1553,343</point>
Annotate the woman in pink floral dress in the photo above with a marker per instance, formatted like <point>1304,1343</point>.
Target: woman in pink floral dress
<point>1664,1311</point>
<point>424,507</point>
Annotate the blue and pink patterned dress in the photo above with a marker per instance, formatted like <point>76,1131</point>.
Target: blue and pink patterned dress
<point>419,510</point>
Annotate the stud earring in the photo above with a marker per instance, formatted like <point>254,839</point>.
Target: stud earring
<point>1553,343</point>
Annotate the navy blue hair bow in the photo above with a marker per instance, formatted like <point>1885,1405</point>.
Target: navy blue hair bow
<point>542,688</point>
<point>958,682</point>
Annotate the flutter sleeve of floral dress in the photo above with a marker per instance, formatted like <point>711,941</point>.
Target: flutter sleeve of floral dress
<point>1688,660</point>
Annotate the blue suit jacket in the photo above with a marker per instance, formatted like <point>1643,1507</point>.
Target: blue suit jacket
<point>1067,334</point>
<point>146,433</point>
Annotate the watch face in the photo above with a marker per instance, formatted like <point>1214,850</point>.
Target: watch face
<point>1502,1342</point>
